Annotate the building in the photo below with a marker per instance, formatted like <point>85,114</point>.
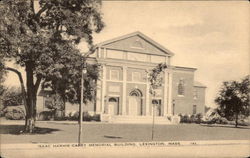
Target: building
<point>123,90</point>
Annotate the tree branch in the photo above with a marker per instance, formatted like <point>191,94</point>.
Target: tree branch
<point>22,85</point>
<point>38,81</point>
<point>38,14</point>
<point>32,6</point>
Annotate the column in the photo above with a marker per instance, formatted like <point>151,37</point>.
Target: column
<point>99,52</point>
<point>124,90</point>
<point>105,53</point>
<point>103,86</point>
<point>165,98</point>
<point>98,97</point>
<point>170,76</point>
<point>147,97</point>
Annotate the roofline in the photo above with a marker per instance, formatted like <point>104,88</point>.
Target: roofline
<point>139,34</point>
<point>200,86</point>
<point>185,68</point>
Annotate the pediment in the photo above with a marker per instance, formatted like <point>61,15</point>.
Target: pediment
<point>136,42</point>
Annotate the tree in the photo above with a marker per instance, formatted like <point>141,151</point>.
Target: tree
<point>155,81</point>
<point>66,85</point>
<point>36,35</point>
<point>233,99</point>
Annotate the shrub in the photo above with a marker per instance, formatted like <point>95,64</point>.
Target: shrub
<point>198,118</point>
<point>192,119</point>
<point>96,117</point>
<point>45,115</point>
<point>14,113</point>
<point>59,115</point>
<point>86,116</point>
<point>74,116</point>
<point>185,119</point>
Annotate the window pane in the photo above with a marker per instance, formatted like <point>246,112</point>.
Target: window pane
<point>195,94</point>
<point>194,109</point>
<point>181,87</point>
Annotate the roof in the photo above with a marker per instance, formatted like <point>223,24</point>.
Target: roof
<point>198,84</point>
<point>184,68</point>
<point>137,33</point>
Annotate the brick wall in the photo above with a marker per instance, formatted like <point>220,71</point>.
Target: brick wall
<point>200,100</point>
<point>183,103</point>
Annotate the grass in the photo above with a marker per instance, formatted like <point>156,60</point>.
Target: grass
<point>52,132</point>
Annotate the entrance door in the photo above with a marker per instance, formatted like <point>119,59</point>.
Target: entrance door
<point>133,105</point>
<point>113,106</point>
<point>157,106</point>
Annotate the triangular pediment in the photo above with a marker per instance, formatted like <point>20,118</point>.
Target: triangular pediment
<point>136,42</point>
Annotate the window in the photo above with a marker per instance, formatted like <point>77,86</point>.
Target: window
<point>136,76</point>
<point>114,75</point>
<point>195,94</point>
<point>181,87</point>
<point>157,107</point>
<point>194,109</point>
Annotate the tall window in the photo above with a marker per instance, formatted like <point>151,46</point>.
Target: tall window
<point>195,94</point>
<point>114,75</point>
<point>194,109</point>
<point>181,88</point>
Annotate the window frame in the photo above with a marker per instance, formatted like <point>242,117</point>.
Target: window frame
<point>181,83</point>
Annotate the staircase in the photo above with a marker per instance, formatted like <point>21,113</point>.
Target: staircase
<point>135,119</point>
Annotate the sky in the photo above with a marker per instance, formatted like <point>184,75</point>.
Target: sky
<point>210,36</point>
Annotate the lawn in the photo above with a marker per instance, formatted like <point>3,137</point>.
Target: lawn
<point>58,132</point>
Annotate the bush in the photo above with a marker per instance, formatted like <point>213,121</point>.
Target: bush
<point>217,120</point>
<point>198,118</point>
<point>14,113</point>
<point>86,116</point>
<point>184,119</point>
<point>45,115</point>
<point>96,117</point>
<point>74,116</point>
<point>191,119</point>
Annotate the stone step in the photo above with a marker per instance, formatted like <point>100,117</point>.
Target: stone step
<point>136,119</point>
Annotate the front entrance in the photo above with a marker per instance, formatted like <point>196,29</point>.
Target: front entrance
<point>112,107</point>
<point>157,107</point>
<point>135,103</point>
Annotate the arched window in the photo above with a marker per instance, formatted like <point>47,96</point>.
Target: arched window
<point>181,87</point>
<point>112,100</point>
<point>136,92</point>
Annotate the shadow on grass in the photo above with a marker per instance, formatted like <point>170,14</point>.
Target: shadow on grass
<point>17,130</point>
<point>112,137</point>
<point>225,126</point>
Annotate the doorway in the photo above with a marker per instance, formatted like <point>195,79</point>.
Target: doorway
<point>135,103</point>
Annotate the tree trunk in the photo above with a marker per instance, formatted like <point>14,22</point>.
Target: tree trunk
<point>31,100</point>
<point>236,120</point>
